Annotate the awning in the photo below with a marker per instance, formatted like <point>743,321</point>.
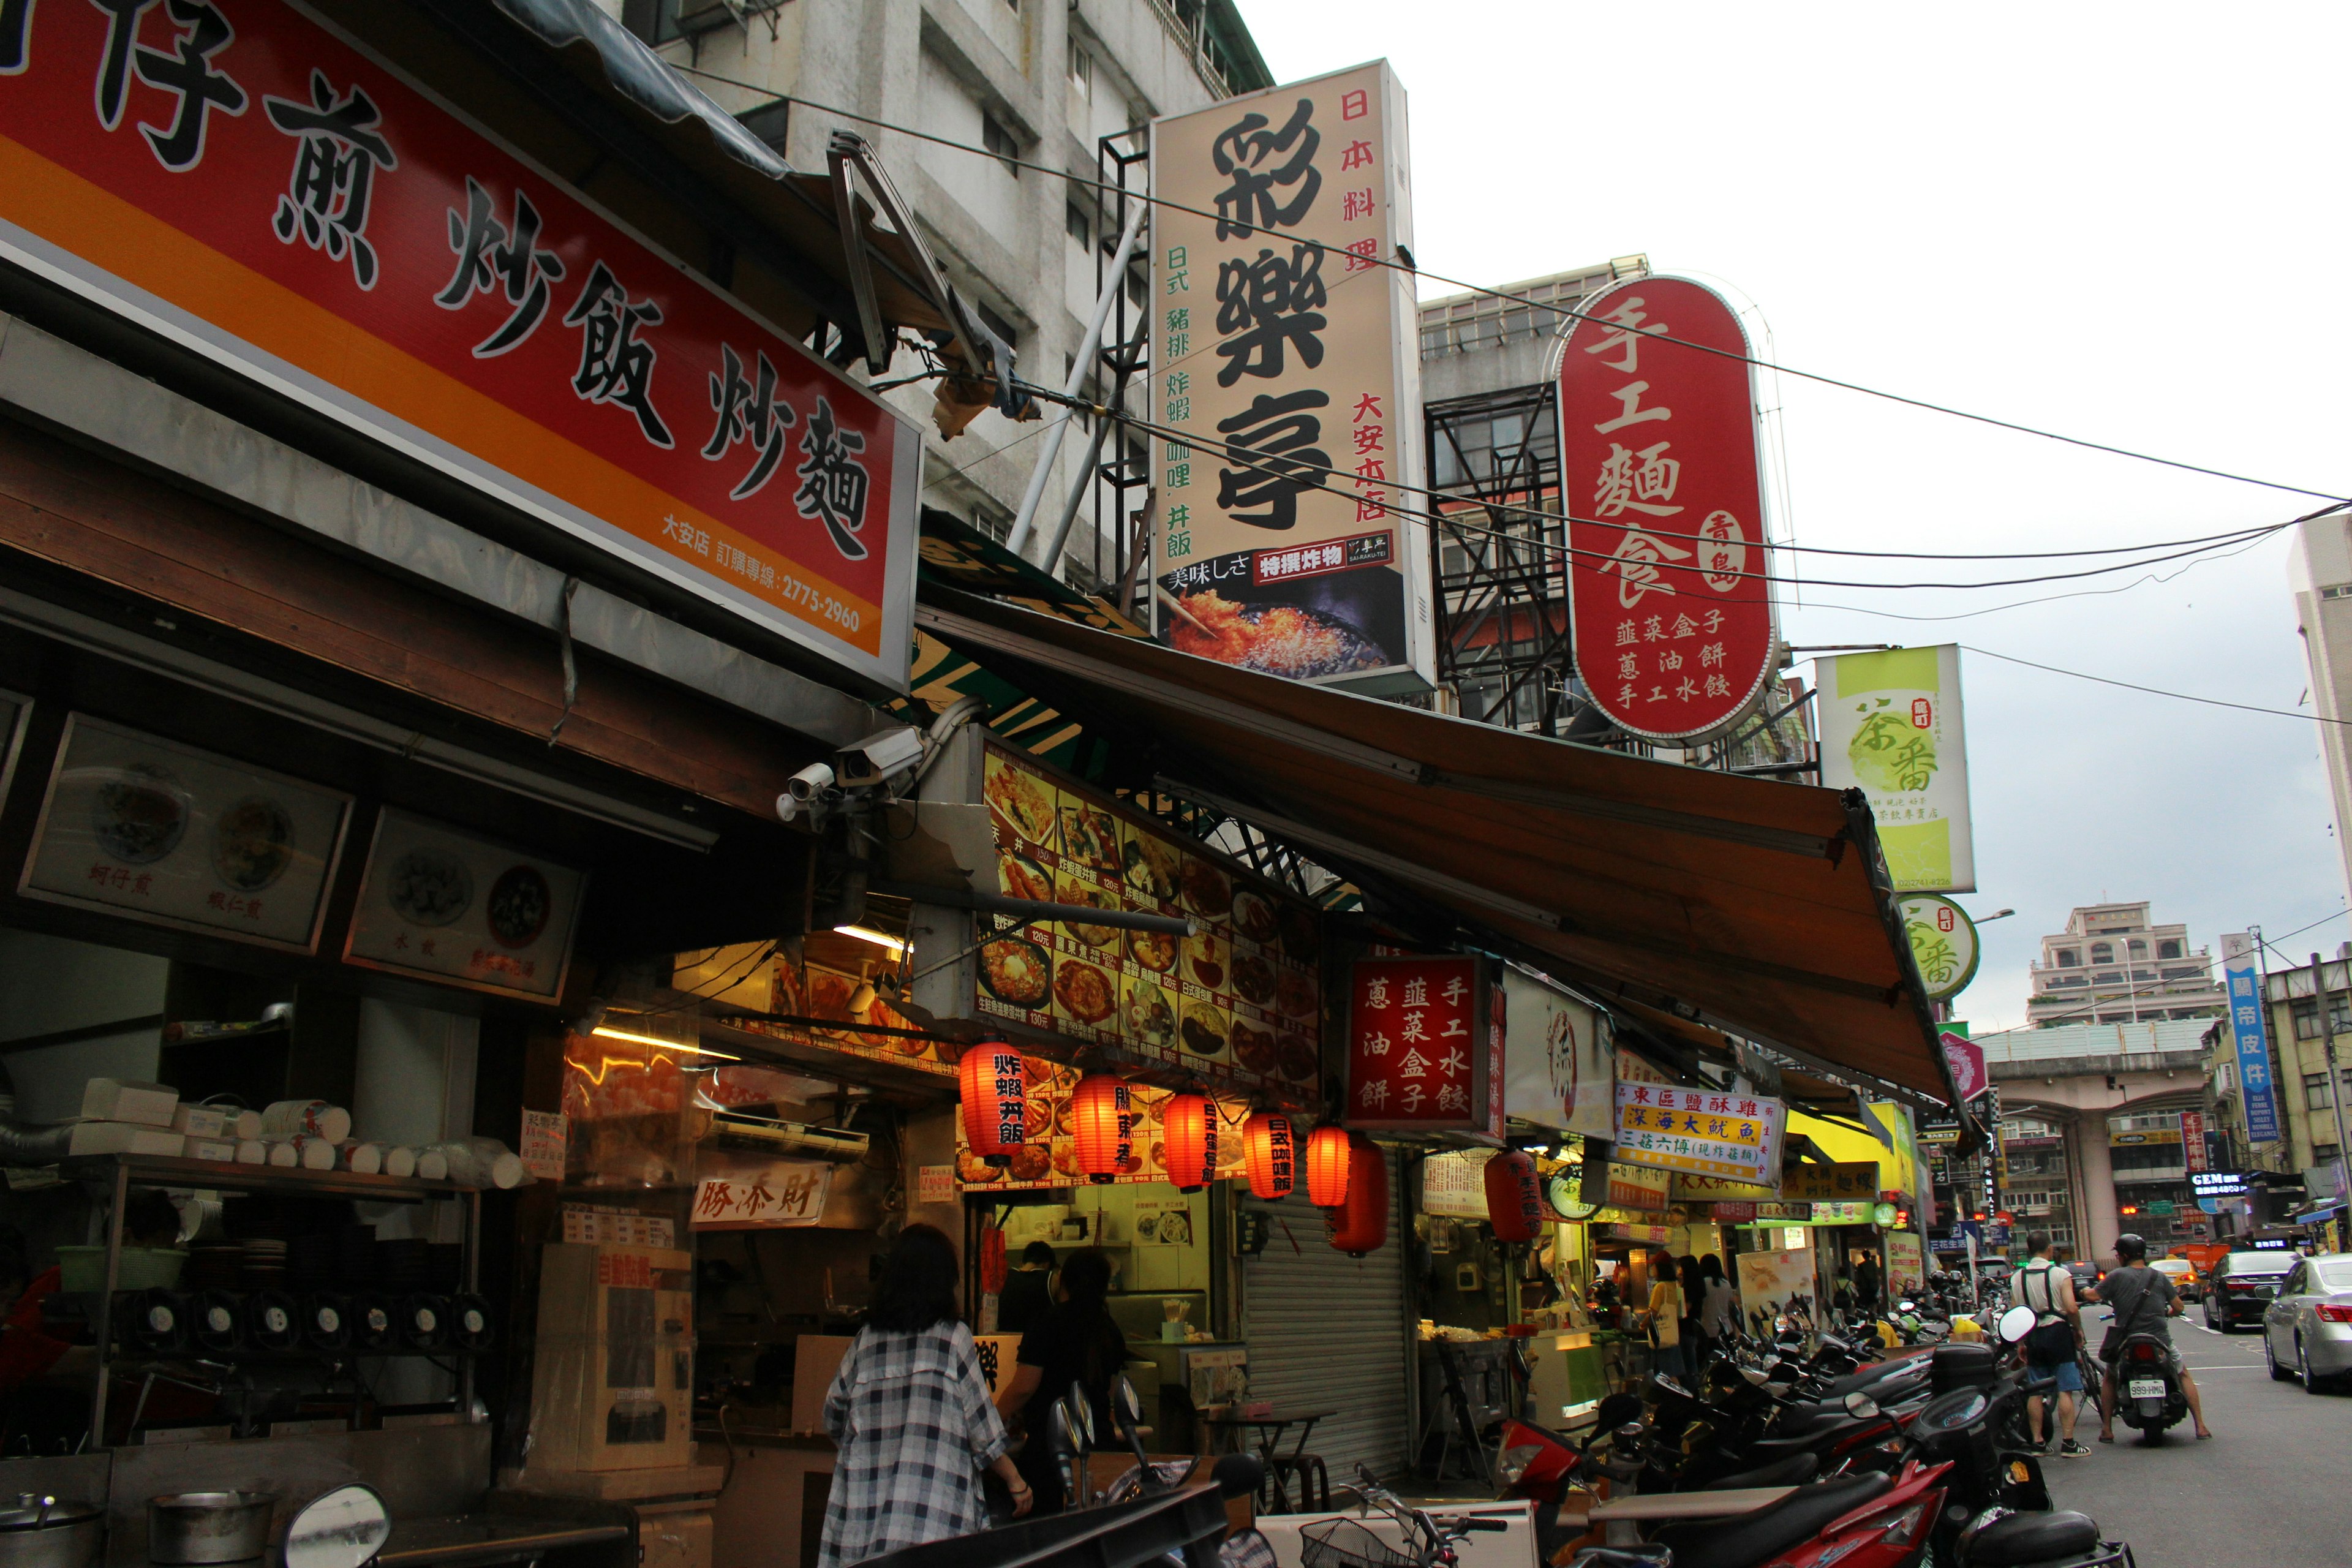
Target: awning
<point>1756,907</point>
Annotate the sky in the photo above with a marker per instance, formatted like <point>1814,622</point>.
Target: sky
<point>2122,224</point>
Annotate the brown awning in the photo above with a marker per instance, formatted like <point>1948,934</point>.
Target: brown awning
<point>1760,908</point>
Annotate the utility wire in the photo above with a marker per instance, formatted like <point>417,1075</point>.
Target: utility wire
<point>2158,690</point>
<point>2156,579</point>
<point>1415,270</point>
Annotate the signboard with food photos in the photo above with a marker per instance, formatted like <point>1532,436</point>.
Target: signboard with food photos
<point>1238,1002</point>
<point>1050,1158</point>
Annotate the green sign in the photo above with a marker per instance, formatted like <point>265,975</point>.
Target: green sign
<point>1891,727</point>
<point>1943,944</point>
<point>1882,1216</point>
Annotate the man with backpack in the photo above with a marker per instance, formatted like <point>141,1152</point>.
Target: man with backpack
<point>2052,1349</point>
<point>2142,1299</point>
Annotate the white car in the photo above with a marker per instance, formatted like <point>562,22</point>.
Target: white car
<point>2307,1327</point>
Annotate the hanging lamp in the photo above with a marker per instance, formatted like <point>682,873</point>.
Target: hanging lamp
<point>1270,1152</point>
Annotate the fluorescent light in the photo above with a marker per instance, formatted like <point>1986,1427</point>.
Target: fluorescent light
<point>608,1032</point>
<point>868,934</point>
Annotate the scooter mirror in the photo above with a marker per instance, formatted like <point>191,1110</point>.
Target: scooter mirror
<point>1861,1404</point>
<point>2016,1323</point>
<point>1129,1404</point>
<point>344,1529</point>
<point>1057,1430</point>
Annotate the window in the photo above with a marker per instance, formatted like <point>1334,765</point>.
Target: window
<point>1000,140</point>
<point>2138,946</point>
<point>1082,70</point>
<point>2069,957</point>
<point>2103,952</point>
<point>2307,1016</point>
<point>1078,225</point>
<point>996,323</point>
<point>2322,1153</point>
<point>2168,948</point>
<point>2314,1092</point>
<point>2341,591</point>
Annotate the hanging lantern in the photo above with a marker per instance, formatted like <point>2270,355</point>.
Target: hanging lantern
<point>1270,1151</point>
<point>1192,1126</point>
<point>994,1087</point>
<point>992,1260</point>
<point>1327,1167</point>
<point>1514,1196</point>
<point>1102,1119</point>
<point>1361,1224</point>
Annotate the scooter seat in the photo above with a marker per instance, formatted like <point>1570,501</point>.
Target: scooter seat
<point>1793,1471</point>
<point>2022,1537</point>
<point>1762,1536</point>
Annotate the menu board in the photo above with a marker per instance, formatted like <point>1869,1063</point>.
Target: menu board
<point>166,834</point>
<point>1050,1158</point>
<point>447,904</point>
<point>823,991</point>
<point>1240,999</point>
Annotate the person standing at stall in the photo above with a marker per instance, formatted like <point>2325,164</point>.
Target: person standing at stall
<point>1077,1344</point>
<point>910,1415</point>
<point>1718,1312</point>
<point>1028,1293</point>
<point>1866,1282</point>
<point>1665,1316</point>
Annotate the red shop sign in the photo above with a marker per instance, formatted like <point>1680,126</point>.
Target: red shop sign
<point>1424,1045</point>
<point>1671,613</point>
<point>239,176</point>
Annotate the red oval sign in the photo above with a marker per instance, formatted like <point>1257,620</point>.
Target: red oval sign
<point>1671,609</point>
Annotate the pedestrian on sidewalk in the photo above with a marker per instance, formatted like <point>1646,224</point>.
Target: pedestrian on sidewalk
<point>2052,1348</point>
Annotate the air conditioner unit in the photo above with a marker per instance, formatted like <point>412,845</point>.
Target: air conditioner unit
<point>764,1135</point>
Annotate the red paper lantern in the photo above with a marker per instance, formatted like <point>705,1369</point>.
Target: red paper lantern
<point>1191,1128</point>
<point>1102,1121</point>
<point>991,1261</point>
<point>1514,1196</point>
<point>1361,1224</point>
<point>1327,1167</point>
<point>994,1087</point>
<point>1271,1152</point>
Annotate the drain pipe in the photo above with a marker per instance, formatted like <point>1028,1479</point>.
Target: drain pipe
<point>1024,521</point>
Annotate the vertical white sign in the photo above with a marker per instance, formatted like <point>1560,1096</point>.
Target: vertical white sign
<point>1892,726</point>
<point>1286,368</point>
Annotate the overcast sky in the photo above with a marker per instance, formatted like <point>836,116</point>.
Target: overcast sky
<point>2120,223</point>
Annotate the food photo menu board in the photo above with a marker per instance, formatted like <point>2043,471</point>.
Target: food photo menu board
<point>1239,1000</point>
<point>1050,1157</point>
<point>439,902</point>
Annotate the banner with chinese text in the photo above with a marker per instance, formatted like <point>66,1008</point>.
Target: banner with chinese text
<point>2239,973</point>
<point>1668,575</point>
<point>245,180</point>
<point>1425,1045</point>
<point>1892,727</point>
<point>1286,359</point>
<point>1705,1132</point>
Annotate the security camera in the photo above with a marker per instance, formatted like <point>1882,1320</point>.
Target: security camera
<point>810,782</point>
<point>881,758</point>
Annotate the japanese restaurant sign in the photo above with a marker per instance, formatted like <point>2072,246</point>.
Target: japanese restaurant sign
<point>1892,727</point>
<point>1670,604</point>
<point>766,1195</point>
<point>1425,1045</point>
<point>1288,365</point>
<point>1238,1000</point>
<point>1709,1132</point>
<point>241,178</point>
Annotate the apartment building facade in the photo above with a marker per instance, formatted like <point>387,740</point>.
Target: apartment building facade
<point>2112,965</point>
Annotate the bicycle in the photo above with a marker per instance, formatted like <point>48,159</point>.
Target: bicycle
<point>1429,1540</point>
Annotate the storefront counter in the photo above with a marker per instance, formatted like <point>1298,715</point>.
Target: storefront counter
<point>772,1510</point>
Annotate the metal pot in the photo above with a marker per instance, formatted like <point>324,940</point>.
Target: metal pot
<point>38,1532</point>
<point>209,1527</point>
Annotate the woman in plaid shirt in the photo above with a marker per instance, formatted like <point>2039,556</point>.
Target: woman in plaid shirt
<point>910,1413</point>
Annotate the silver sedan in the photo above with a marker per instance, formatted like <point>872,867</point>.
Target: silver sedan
<point>2307,1327</point>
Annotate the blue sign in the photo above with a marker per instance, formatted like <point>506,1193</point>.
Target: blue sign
<point>2253,1055</point>
<point>2210,1206</point>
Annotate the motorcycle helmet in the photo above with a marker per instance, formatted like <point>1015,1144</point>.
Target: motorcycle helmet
<point>2130,1246</point>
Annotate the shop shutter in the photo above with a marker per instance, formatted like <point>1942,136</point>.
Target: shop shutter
<point>1327,1331</point>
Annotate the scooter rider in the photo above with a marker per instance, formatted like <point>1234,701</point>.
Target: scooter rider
<point>2142,1299</point>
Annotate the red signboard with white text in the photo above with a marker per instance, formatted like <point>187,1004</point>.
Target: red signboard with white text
<point>1671,610</point>
<point>1425,1045</point>
<point>243,179</point>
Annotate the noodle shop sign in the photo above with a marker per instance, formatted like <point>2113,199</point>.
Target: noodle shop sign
<point>1671,609</point>
<point>1237,1001</point>
<point>1425,1045</point>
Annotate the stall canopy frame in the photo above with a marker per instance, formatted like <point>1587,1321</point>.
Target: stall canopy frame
<point>1757,908</point>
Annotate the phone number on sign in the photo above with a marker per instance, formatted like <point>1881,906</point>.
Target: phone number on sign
<point>789,589</point>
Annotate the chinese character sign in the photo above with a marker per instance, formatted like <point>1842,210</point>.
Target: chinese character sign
<point>2192,1139</point>
<point>1943,942</point>
<point>1671,608</point>
<point>1709,1132</point>
<point>1891,726</point>
<point>1424,1045</point>
<point>2253,1047</point>
<point>1286,372</point>
<point>234,173</point>
<point>760,1195</point>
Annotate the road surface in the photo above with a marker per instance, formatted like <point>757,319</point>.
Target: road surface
<point>2272,1487</point>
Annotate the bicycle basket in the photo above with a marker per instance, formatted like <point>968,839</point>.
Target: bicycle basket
<point>1344,1544</point>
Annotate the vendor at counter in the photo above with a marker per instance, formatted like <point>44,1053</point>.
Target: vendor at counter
<point>1075,1343</point>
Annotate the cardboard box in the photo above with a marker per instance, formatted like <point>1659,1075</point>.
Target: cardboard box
<point>671,1535</point>
<point>614,1385</point>
<point>200,1120</point>
<point>128,1100</point>
<point>123,1137</point>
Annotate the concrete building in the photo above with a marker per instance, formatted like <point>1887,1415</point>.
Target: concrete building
<point>2299,1045</point>
<point>1040,82</point>
<point>2110,965</point>
<point>2319,576</point>
<point>2091,1126</point>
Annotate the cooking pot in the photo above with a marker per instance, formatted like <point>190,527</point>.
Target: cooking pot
<point>207,1527</point>
<point>38,1532</point>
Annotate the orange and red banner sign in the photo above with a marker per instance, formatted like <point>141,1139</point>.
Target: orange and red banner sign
<point>241,178</point>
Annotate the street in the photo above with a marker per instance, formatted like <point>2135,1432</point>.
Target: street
<point>2267,1488</point>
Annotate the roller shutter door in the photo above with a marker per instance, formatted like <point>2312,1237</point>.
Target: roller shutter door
<point>1327,1331</point>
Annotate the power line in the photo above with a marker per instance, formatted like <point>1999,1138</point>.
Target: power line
<point>1415,270</point>
<point>2157,579</point>
<point>2158,690</point>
